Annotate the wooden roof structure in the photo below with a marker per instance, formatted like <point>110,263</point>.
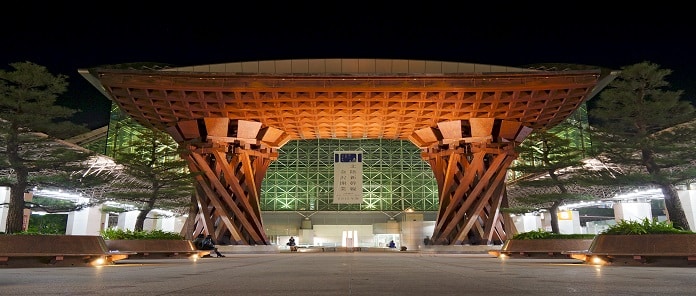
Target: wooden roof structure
<point>466,118</point>
<point>346,98</point>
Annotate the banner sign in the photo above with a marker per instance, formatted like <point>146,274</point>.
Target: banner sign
<point>347,177</point>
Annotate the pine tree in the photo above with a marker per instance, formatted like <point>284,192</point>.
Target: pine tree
<point>552,162</point>
<point>649,132</point>
<point>30,126</point>
<point>153,158</point>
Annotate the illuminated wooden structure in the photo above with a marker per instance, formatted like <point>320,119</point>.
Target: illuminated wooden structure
<point>465,118</point>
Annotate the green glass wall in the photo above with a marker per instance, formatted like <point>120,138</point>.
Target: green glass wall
<point>395,178</point>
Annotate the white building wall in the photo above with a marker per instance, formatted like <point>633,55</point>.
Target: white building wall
<point>332,235</point>
<point>632,211</point>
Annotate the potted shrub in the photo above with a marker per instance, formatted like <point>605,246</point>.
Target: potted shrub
<point>539,243</point>
<point>149,244</point>
<point>643,242</point>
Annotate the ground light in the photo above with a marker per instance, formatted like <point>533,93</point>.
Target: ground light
<point>99,261</point>
<point>597,261</point>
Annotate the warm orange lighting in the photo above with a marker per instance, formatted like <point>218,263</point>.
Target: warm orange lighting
<point>99,262</point>
<point>565,215</point>
<point>597,261</point>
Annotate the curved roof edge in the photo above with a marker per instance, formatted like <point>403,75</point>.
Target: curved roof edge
<point>349,66</point>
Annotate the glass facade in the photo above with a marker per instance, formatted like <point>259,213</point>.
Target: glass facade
<point>395,178</point>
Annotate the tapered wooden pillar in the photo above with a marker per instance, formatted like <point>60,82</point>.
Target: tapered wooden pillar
<point>470,159</point>
<point>231,158</point>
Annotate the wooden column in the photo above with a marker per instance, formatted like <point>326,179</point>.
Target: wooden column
<point>231,158</point>
<point>470,159</point>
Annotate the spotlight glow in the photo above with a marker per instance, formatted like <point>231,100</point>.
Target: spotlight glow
<point>597,261</point>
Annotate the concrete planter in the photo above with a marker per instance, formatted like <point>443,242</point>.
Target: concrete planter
<point>154,248</point>
<point>646,249</point>
<point>543,248</point>
<point>53,250</point>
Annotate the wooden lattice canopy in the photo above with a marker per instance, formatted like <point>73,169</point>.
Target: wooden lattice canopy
<point>347,99</point>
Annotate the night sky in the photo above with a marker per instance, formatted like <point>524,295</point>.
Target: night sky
<point>66,37</point>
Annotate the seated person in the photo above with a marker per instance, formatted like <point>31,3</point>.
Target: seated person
<point>206,243</point>
<point>292,245</point>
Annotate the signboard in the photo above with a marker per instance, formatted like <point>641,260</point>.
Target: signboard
<point>347,177</point>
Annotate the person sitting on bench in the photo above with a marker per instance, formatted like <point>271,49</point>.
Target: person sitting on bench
<point>291,244</point>
<point>206,243</point>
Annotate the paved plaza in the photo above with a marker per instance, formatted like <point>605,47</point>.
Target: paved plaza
<point>349,273</point>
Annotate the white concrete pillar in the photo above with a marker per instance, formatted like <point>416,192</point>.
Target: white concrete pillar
<point>306,237</point>
<point>412,231</point>
<point>545,217</point>
<point>152,222</point>
<point>4,209</point>
<point>167,223</point>
<point>126,220</point>
<point>688,201</point>
<point>87,221</point>
<point>163,220</point>
<point>569,222</point>
<point>527,222</point>
<point>632,211</point>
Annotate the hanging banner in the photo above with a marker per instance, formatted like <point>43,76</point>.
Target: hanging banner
<point>347,177</point>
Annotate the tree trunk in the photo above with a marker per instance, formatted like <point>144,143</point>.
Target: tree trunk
<point>140,221</point>
<point>675,212</point>
<point>553,212</point>
<point>15,213</point>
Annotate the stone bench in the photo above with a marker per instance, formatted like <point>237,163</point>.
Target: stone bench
<point>155,248</point>
<point>54,250</point>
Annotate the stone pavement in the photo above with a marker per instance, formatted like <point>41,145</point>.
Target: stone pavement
<point>349,273</point>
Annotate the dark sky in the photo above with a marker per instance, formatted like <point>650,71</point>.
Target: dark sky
<point>65,37</point>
